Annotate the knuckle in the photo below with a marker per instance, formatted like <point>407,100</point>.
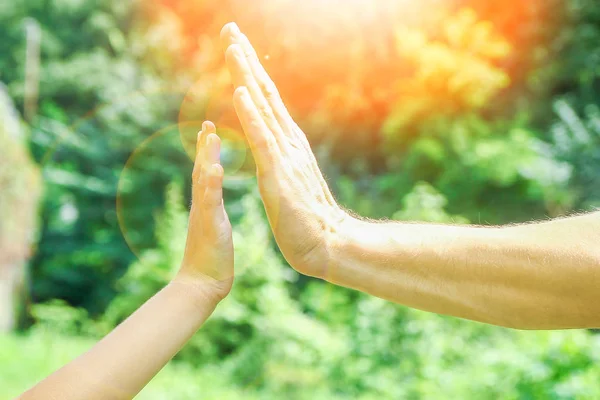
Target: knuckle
<point>247,76</point>
<point>269,90</point>
<point>209,203</point>
<point>247,49</point>
<point>256,125</point>
<point>265,111</point>
<point>262,144</point>
<point>260,141</point>
<point>266,157</point>
<point>294,144</point>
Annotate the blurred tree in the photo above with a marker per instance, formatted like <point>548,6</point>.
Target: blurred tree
<point>98,103</point>
<point>574,134</point>
<point>20,189</point>
<point>576,140</point>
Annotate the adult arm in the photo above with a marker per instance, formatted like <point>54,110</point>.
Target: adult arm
<point>123,362</point>
<point>537,276</point>
<point>533,276</point>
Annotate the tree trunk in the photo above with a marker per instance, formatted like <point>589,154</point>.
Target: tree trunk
<point>20,185</point>
<point>11,295</point>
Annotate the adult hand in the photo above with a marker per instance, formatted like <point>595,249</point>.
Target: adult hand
<point>303,214</point>
<point>208,260</point>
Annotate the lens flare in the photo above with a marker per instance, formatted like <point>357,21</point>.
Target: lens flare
<point>197,106</point>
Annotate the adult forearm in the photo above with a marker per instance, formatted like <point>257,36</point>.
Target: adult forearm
<point>122,363</point>
<point>539,276</point>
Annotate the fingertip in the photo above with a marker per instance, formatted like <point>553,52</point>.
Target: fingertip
<point>228,27</point>
<point>229,30</point>
<point>199,142</point>
<point>234,55</point>
<point>232,49</point>
<point>208,127</point>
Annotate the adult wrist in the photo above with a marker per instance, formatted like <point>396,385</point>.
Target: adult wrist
<point>340,243</point>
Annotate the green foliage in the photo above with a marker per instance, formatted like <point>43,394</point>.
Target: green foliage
<point>491,116</point>
<point>577,142</point>
<point>488,173</point>
<point>27,359</point>
<point>340,344</point>
<point>157,266</point>
<point>98,103</point>
<point>426,204</point>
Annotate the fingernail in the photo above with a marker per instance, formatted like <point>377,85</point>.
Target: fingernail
<point>214,148</point>
<point>198,143</point>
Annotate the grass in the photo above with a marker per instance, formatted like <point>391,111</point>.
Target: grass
<point>26,359</point>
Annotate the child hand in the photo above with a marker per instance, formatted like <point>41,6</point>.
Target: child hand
<point>208,260</point>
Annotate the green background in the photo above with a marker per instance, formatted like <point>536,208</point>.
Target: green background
<point>514,138</point>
